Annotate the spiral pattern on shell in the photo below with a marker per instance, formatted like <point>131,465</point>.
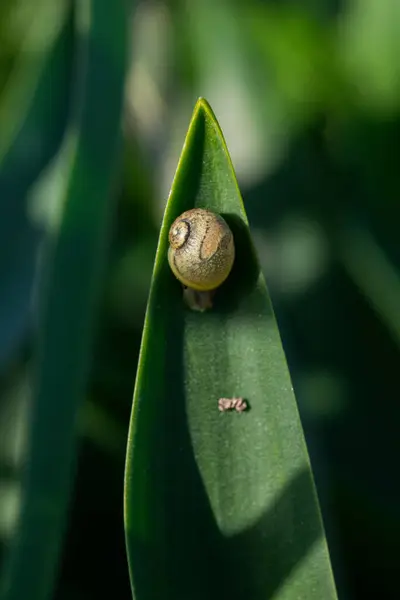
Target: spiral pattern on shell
<point>202,251</point>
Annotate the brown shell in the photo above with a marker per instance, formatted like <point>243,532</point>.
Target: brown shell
<point>202,250</point>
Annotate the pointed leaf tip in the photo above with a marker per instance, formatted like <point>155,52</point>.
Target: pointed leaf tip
<point>205,490</point>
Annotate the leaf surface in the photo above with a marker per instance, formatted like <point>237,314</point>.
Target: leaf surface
<point>218,505</point>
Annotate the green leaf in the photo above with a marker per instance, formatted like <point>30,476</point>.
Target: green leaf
<point>42,24</point>
<point>77,234</point>
<point>33,116</point>
<point>218,505</point>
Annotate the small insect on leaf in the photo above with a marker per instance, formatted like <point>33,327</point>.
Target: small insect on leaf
<point>238,404</point>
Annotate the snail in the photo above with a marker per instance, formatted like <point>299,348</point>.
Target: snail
<point>201,254</point>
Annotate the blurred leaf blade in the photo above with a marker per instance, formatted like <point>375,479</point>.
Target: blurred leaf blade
<point>38,132</point>
<point>218,505</point>
<point>69,294</point>
<point>42,25</point>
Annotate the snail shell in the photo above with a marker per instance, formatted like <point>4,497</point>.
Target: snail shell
<point>202,250</point>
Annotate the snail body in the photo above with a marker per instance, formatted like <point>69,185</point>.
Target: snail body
<point>202,251</point>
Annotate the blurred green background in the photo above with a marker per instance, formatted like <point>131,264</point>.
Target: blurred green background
<point>308,97</point>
